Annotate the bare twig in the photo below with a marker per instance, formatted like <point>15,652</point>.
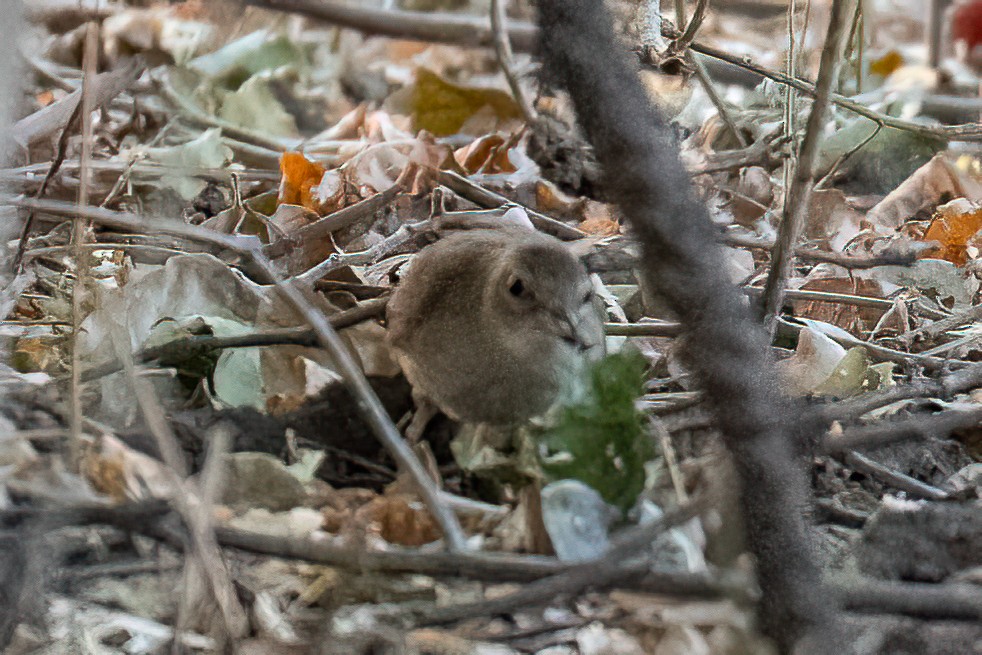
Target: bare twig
<point>278,337</point>
<point>420,26</point>
<point>724,112</point>
<point>816,255</point>
<point>950,601</point>
<point>488,199</point>
<point>79,232</point>
<point>796,198</point>
<point>937,328</point>
<point>338,220</point>
<point>698,15</point>
<point>205,547</point>
<point>506,62</point>
<point>969,377</point>
<point>895,479</point>
<point>964,132</point>
<point>878,352</point>
<point>918,426</point>
<point>599,573</point>
<point>103,87</point>
<point>934,10</point>
<point>135,223</point>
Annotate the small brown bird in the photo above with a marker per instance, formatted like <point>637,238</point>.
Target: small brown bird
<point>489,325</point>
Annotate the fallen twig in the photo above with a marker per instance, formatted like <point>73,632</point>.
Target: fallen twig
<point>919,426</point>
<point>490,200</point>
<point>952,601</point>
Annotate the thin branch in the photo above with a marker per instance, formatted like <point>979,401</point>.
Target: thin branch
<point>321,229</point>
<point>919,426</point>
<point>895,479</point>
<point>724,112</point>
<point>969,377</point>
<point>506,62</point>
<point>195,512</point>
<point>597,574</point>
<point>186,347</point>
<point>950,601</point>
<point>964,132</point>
<point>797,197</point>
<point>698,15</point>
<point>421,26</point>
<point>135,223</point>
<point>470,190</point>
<point>79,232</point>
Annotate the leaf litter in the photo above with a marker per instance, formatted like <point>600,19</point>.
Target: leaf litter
<point>332,150</point>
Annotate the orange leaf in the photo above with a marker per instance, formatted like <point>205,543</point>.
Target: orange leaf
<point>403,520</point>
<point>300,175</point>
<point>598,220</point>
<point>886,64</point>
<point>952,227</point>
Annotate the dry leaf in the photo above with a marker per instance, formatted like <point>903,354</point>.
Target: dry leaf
<point>598,219</point>
<point>953,226</point>
<point>848,317</point>
<point>488,155</point>
<point>443,108</point>
<point>402,520</point>
<point>300,176</point>
<point>755,193</point>
<point>832,219</point>
<point>934,182</point>
<point>886,64</point>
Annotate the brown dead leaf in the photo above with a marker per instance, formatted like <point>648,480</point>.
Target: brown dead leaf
<point>832,219</point>
<point>44,98</point>
<point>598,219</point>
<point>36,354</point>
<point>953,226</point>
<point>550,199</point>
<point>342,504</point>
<point>934,182</point>
<point>755,193</point>
<point>402,519</point>
<point>488,155</point>
<point>118,471</point>
<point>106,473</point>
<point>848,317</point>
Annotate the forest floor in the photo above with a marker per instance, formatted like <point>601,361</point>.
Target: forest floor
<point>189,464</point>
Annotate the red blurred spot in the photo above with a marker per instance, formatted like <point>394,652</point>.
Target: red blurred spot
<point>966,23</point>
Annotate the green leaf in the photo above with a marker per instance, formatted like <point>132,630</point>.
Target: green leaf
<point>599,439</point>
<point>253,53</point>
<point>254,106</point>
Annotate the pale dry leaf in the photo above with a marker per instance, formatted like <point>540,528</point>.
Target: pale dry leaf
<point>929,185</point>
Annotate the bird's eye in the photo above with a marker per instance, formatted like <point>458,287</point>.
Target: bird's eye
<point>588,297</point>
<point>517,288</point>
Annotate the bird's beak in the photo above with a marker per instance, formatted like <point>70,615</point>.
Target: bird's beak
<point>569,332</point>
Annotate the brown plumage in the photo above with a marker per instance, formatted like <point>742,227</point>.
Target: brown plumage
<point>489,325</point>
